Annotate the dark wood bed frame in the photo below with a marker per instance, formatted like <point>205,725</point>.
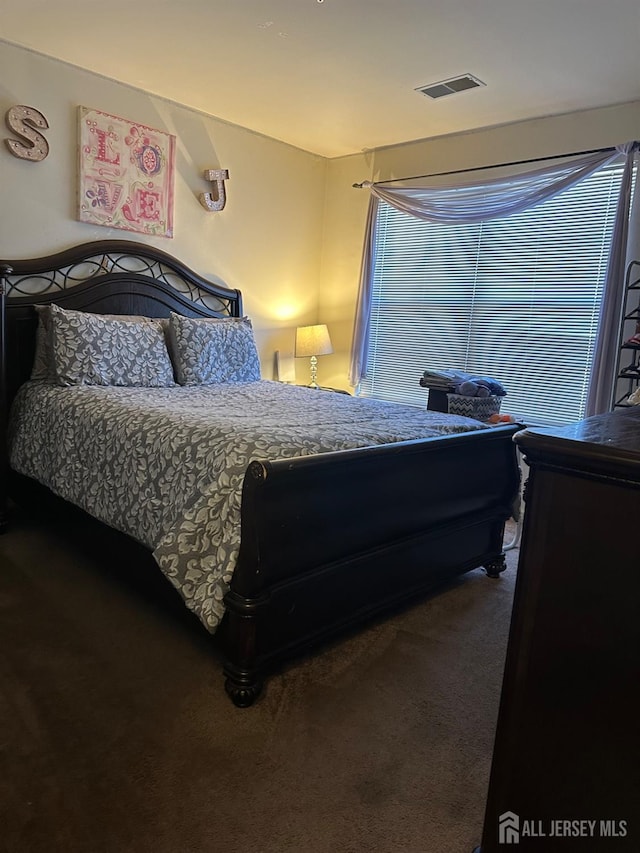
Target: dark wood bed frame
<point>327,541</point>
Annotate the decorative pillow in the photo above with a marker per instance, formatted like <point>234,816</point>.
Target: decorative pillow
<point>212,351</point>
<point>43,369</point>
<point>91,349</point>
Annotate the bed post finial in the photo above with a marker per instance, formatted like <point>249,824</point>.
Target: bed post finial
<point>5,270</point>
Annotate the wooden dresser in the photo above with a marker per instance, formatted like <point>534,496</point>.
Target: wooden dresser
<point>566,765</point>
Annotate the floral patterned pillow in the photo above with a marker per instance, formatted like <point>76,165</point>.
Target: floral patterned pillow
<point>90,349</point>
<point>43,369</point>
<point>212,351</point>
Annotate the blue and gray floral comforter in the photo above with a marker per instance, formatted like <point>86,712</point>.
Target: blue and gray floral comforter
<point>166,465</point>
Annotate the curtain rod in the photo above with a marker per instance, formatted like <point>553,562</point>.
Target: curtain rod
<point>491,166</point>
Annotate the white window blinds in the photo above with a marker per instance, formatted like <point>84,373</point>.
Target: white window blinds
<point>515,298</point>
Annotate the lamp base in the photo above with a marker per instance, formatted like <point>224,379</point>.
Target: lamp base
<point>314,372</point>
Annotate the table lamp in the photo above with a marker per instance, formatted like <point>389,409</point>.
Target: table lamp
<point>312,341</point>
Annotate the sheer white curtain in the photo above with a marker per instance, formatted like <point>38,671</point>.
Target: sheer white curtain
<point>462,201</point>
<point>605,357</point>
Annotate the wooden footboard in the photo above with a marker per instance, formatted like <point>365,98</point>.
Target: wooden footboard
<point>330,540</point>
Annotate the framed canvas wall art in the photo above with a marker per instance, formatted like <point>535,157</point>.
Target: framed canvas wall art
<point>126,174</point>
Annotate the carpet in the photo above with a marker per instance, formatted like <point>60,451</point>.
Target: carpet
<point>116,735</point>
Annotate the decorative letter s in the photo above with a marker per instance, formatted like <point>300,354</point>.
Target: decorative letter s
<point>207,200</point>
<point>21,120</point>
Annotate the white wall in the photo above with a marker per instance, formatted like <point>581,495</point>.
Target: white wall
<point>346,207</point>
<point>266,241</point>
<point>290,236</point>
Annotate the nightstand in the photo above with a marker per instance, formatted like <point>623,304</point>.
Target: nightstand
<point>335,390</point>
<point>327,388</point>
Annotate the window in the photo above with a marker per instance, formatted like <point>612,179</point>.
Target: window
<point>515,298</point>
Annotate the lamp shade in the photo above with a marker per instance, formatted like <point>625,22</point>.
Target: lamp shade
<point>313,340</point>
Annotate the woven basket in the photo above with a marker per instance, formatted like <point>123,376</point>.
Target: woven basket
<point>480,408</point>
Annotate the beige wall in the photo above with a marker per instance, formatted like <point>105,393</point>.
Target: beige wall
<point>267,241</point>
<point>346,207</point>
<point>291,234</point>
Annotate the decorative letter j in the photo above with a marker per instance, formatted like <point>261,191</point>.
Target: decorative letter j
<point>208,200</point>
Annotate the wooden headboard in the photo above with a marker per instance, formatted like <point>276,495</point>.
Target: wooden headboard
<point>103,277</point>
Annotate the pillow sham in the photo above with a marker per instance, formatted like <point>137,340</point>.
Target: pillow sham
<point>91,349</point>
<point>213,351</point>
<point>43,369</point>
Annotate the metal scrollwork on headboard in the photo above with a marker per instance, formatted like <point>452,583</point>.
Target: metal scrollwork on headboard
<point>49,281</point>
<point>109,258</point>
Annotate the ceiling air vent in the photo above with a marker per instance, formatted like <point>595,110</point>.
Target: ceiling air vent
<point>450,87</point>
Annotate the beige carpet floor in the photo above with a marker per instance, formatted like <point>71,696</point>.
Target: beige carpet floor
<point>116,735</point>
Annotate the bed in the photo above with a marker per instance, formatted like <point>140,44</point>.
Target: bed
<point>279,535</point>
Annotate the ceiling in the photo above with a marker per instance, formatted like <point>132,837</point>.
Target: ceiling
<point>339,76</point>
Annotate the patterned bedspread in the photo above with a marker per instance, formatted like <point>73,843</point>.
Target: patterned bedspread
<point>166,465</point>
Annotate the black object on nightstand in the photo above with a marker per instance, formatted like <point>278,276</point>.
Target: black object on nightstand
<point>335,390</point>
<point>327,388</point>
<point>437,401</point>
